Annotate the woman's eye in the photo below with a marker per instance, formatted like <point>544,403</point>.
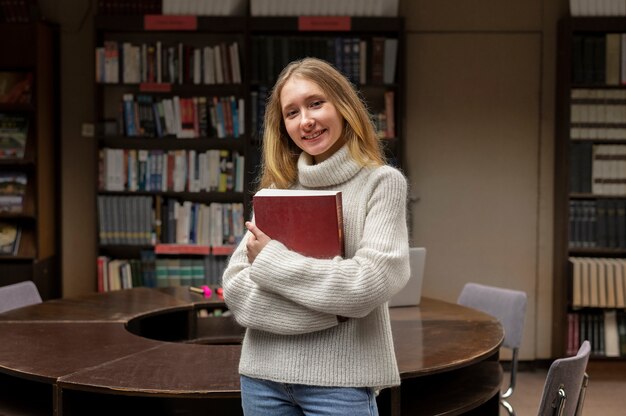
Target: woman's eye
<point>316,103</point>
<point>290,114</point>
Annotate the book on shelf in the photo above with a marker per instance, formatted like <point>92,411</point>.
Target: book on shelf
<point>18,11</point>
<point>13,135</point>
<point>12,190</point>
<point>597,8</point>
<point>377,8</point>
<point>598,282</point>
<point>16,87</point>
<point>309,222</point>
<point>10,235</point>
<point>605,330</point>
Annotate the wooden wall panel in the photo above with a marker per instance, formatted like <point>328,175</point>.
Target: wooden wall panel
<point>473,126</point>
<point>475,15</point>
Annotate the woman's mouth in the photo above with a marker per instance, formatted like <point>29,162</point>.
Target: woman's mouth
<point>314,135</point>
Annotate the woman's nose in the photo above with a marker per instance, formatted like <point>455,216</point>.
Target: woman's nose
<point>306,121</point>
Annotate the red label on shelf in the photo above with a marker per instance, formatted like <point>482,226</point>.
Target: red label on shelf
<point>168,22</point>
<point>222,250</point>
<point>155,87</point>
<point>325,23</point>
<point>181,249</point>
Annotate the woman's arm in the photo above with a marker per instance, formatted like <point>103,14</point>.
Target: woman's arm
<point>256,308</point>
<point>350,287</point>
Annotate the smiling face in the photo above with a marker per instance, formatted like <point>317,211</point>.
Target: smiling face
<point>311,120</point>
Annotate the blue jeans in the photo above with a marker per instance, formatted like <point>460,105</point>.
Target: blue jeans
<point>268,398</point>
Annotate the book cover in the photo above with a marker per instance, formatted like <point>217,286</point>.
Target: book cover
<point>309,222</point>
<point>15,87</point>
<point>9,238</point>
<point>13,133</point>
<point>12,190</point>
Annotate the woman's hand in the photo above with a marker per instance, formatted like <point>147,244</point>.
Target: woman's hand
<point>256,242</point>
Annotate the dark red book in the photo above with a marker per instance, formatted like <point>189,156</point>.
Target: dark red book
<point>309,222</point>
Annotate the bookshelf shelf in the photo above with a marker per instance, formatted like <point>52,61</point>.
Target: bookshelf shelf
<point>590,205</point>
<point>172,143</point>
<point>29,64</point>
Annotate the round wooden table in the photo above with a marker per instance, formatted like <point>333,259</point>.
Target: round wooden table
<point>149,351</point>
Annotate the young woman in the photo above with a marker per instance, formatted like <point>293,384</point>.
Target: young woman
<point>318,338</point>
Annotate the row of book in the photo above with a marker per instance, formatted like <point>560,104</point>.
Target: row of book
<point>158,63</point>
<point>151,270</point>
<point>12,191</point>
<point>598,114</point>
<point>144,115</point>
<point>598,282</point>
<point>599,59</point>
<point>324,8</point>
<point>597,8</point>
<point>10,235</point>
<point>605,330</point>
<point>171,170</point>
<point>18,11</point>
<point>16,87</point>
<point>598,168</point>
<point>597,223</point>
<point>364,61</point>
<point>257,7</point>
<point>215,224</point>
<point>173,7</point>
<point>13,135</point>
<point>144,220</point>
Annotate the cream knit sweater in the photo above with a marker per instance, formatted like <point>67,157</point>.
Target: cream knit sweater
<point>289,303</point>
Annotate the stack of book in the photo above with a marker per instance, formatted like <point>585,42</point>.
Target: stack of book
<point>18,11</point>
<point>597,8</point>
<point>379,8</point>
<point>9,239</point>
<point>12,190</point>
<point>13,134</point>
<point>175,63</point>
<point>598,282</point>
<point>134,170</point>
<point>16,87</point>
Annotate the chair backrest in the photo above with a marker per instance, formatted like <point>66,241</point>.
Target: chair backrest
<point>18,295</point>
<point>566,380</point>
<point>411,294</point>
<point>506,305</point>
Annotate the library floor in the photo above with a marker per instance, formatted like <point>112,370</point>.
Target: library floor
<point>606,394</point>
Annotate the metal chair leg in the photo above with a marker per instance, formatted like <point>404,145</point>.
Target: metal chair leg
<point>508,407</point>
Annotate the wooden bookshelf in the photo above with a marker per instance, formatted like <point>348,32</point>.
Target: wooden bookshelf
<point>588,198</point>
<point>249,34</point>
<point>33,50</point>
<point>181,80</point>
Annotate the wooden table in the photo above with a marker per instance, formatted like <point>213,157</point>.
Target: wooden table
<point>146,350</point>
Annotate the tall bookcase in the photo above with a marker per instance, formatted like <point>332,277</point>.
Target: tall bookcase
<point>369,50</point>
<point>590,188</point>
<point>31,53</point>
<point>172,146</point>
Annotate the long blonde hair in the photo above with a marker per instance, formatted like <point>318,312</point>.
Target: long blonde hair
<point>280,154</point>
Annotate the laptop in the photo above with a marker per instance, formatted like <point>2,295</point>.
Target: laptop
<point>411,294</point>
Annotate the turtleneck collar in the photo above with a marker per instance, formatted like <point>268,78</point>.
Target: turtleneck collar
<point>338,168</point>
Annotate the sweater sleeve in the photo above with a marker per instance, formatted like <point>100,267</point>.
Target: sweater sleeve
<point>350,287</point>
<point>256,308</point>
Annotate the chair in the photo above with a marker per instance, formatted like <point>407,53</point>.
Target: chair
<point>18,295</point>
<point>509,307</point>
<point>566,385</point>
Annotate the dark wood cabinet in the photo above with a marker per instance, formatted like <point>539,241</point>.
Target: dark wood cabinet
<point>32,52</point>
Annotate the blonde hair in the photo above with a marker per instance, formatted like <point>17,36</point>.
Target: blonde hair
<point>280,154</point>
